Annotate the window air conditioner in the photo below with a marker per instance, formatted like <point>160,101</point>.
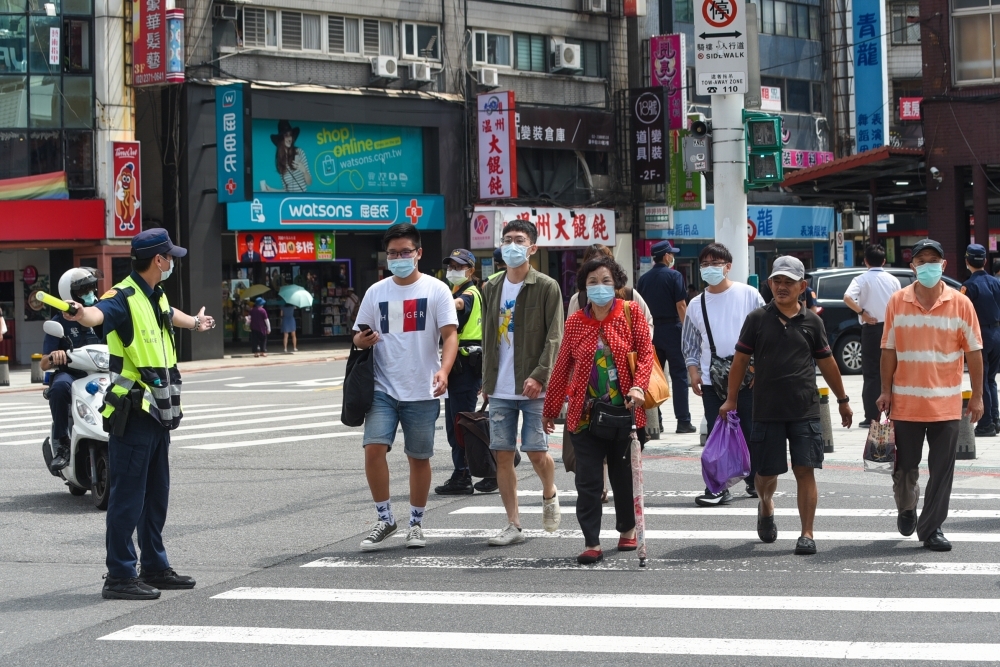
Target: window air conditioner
<point>595,6</point>
<point>488,77</point>
<point>567,58</point>
<point>385,67</point>
<point>420,72</point>
<point>226,12</point>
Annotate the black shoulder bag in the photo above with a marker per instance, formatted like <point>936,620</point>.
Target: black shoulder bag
<point>359,386</point>
<point>719,368</point>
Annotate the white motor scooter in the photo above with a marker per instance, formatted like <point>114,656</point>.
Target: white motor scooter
<point>88,463</point>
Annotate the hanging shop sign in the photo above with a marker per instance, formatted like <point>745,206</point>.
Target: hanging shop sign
<point>658,216</point>
<point>795,159</point>
<point>335,212</point>
<point>647,130</point>
<point>232,136</point>
<point>561,227</point>
<point>765,223</point>
<point>126,189</point>
<point>175,45</point>
<point>336,158</point>
<point>686,190</point>
<point>871,78</point>
<point>569,129</point>
<point>909,108</point>
<point>667,69</point>
<point>483,230</point>
<point>497,146</point>
<point>770,98</point>
<point>285,247</point>
<point>153,45</point>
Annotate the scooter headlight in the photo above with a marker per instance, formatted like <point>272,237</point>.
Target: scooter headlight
<point>100,359</point>
<point>85,413</point>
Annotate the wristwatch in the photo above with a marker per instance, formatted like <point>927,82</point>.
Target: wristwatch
<point>197,323</point>
<point>845,399</point>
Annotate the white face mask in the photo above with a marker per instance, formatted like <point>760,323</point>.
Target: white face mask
<point>456,276</point>
<point>166,274</point>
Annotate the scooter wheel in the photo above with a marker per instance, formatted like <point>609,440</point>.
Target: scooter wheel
<point>75,490</point>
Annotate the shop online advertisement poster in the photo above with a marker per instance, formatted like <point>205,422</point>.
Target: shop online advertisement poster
<point>338,158</point>
<point>285,247</point>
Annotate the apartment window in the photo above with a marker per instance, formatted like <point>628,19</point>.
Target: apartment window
<point>260,28</point>
<point>300,32</point>
<point>903,31</point>
<point>344,35</point>
<point>975,40</point>
<point>490,48</point>
<point>421,41</point>
<point>797,95</point>
<point>77,45</point>
<point>684,11</point>
<point>531,52</point>
<point>594,57</point>
<point>311,40</point>
<point>790,19</point>
<point>379,38</point>
<point>817,97</point>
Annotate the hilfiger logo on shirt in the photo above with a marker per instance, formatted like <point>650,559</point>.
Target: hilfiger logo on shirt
<point>403,316</point>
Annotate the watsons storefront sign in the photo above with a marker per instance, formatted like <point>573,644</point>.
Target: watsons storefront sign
<point>359,212</point>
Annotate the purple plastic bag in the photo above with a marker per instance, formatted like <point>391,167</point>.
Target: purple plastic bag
<point>725,460</point>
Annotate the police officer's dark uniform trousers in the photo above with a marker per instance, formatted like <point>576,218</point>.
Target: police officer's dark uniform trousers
<point>466,377</point>
<point>984,292</point>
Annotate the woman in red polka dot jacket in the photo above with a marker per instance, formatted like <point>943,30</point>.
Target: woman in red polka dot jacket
<point>593,371</point>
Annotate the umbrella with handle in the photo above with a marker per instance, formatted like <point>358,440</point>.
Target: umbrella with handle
<point>296,295</point>
<point>253,291</point>
<point>637,495</point>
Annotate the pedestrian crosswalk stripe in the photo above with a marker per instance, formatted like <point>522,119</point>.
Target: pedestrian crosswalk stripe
<point>271,441</point>
<point>26,416</point>
<point>613,561</point>
<point>248,431</point>
<point>272,417</point>
<point>273,390</point>
<point>204,409</point>
<point>744,511</point>
<point>187,382</point>
<point>250,410</point>
<point>897,652</point>
<point>742,535</point>
<point>615,601</point>
<point>571,493</point>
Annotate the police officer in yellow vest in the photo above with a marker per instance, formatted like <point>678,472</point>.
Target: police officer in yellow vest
<point>141,408</point>
<point>466,376</point>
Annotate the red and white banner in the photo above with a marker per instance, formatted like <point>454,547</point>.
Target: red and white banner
<point>126,189</point>
<point>562,227</point>
<point>497,152</point>
<point>149,42</point>
<point>909,108</point>
<point>635,8</point>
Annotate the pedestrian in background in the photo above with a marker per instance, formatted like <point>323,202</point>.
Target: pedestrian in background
<point>260,326</point>
<point>593,370</point>
<point>928,327</point>
<point>984,292</point>
<point>727,304</point>
<point>523,328</point>
<point>466,376</point>
<point>663,289</point>
<point>403,317</point>
<point>868,295</point>
<point>288,327</point>
<point>785,340</point>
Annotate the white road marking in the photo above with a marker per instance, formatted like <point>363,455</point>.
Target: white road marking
<point>249,431</point>
<point>896,652</point>
<point>601,600</point>
<point>187,382</point>
<point>571,493</point>
<point>275,441</point>
<point>249,391</point>
<point>741,535</point>
<point>746,511</point>
<point>249,410</point>
<point>265,420</point>
<point>28,417</point>
<point>317,382</point>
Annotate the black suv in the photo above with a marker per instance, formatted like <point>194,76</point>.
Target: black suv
<point>842,326</point>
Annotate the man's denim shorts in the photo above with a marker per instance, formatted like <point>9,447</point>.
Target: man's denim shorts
<point>503,425</point>
<point>416,417</point>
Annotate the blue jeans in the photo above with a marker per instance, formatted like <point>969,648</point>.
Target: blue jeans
<point>416,417</point>
<point>503,425</point>
<point>60,402</point>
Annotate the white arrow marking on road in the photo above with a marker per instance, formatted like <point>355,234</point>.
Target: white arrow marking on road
<point>249,431</point>
<point>748,511</point>
<point>276,441</point>
<point>799,649</point>
<point>741,535</point>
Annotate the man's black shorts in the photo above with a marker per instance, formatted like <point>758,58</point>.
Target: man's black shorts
<point>767,445</point>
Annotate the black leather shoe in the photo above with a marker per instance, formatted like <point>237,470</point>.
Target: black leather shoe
<point>686,427</point>
<point>865,424</point>
<point>937,542</point>
<point>127,589</point>
<point>986,432</point>
<point>460,484</point>
<point>486,485</point>
<point>906,522</point>
<point>167,580</point>
<point>61,459</point>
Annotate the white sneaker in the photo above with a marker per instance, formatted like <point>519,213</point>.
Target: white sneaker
<point>509,535</point>
<point>415,537</point>
<point>551,514</point>
<point>377,537</point>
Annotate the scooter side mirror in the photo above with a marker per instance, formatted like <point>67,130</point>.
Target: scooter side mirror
<point>53,328</point>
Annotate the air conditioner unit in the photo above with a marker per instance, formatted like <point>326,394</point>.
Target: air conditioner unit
<point>488,77</point>
<point>385,67</point>
<point>421,72</point>
<point>225,12</point>
<point>595,6</point>
<point>567,58</point>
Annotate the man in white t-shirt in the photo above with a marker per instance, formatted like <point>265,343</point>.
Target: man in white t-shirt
<point>522,329</point>
<point>403,317</point>
<point>727,304</point>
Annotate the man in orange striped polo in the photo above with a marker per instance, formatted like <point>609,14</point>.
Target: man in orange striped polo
<point>929,329</point>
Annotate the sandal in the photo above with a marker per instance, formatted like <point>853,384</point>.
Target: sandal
<point>766,530</point>
<point>590,556</point>
<point>805,546</point>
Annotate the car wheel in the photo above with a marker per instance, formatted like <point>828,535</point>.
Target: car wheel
<point>848,354</point>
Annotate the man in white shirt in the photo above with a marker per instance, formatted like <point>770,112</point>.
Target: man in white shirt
<point>868,295</point>
<point>727,305</point>
<point>403,317</point>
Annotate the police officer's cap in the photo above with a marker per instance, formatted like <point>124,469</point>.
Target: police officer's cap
<point>460,256</point>
<point>975,251</point>
<point>663,247</point>
<point>153,242</point>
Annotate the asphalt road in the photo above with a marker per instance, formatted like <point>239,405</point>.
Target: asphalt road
<point>269,503</point>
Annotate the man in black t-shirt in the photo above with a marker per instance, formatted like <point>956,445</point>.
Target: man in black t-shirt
<point>784,338</point>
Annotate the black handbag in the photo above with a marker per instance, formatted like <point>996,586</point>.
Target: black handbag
<point>719,367</point>
<point>609,422</point>
<point>472,429</point>
<point>359,387</point>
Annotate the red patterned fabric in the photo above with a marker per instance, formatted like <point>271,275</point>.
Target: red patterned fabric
<point>576,353</point>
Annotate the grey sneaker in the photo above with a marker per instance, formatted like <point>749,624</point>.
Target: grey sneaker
<point>376,538</point>
<point>510,535</point>
<point>551,514</point>
<point>415,537</point>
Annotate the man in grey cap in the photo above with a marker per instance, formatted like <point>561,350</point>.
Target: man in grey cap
<point>786,339</point>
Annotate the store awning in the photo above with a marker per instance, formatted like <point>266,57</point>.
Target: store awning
<point>892,178</point>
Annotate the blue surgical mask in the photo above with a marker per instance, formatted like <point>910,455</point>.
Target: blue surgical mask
<point>166,274</point>
<point>600,295</point>
<point>930,274</point>
<point>89,299</point>
<point>713,275</point>
<point>514,255</point>
<point>402,268</point>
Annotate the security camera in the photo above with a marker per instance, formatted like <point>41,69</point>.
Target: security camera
<point>936,174</point>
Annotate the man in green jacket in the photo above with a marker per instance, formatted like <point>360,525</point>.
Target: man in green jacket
<point>522,329</point>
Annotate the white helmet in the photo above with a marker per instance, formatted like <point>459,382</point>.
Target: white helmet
<point>76,282</point>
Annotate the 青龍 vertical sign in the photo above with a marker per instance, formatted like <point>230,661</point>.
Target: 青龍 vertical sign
<point>497,152</point>
<point>149,42</point>
<point>720,54</point>
<point>648,136</point>
<point>126,189</point>
<point>232,136</point>
<point>667,68</point>
<point>871,120</point>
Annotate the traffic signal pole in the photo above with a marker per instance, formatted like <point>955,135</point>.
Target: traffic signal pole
<point>729,166</point>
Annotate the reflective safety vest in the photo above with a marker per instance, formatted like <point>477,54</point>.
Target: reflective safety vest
<point>149,361</point>
<point>471,334</point>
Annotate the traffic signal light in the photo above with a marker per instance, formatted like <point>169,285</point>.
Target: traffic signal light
<point>763,138</point>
